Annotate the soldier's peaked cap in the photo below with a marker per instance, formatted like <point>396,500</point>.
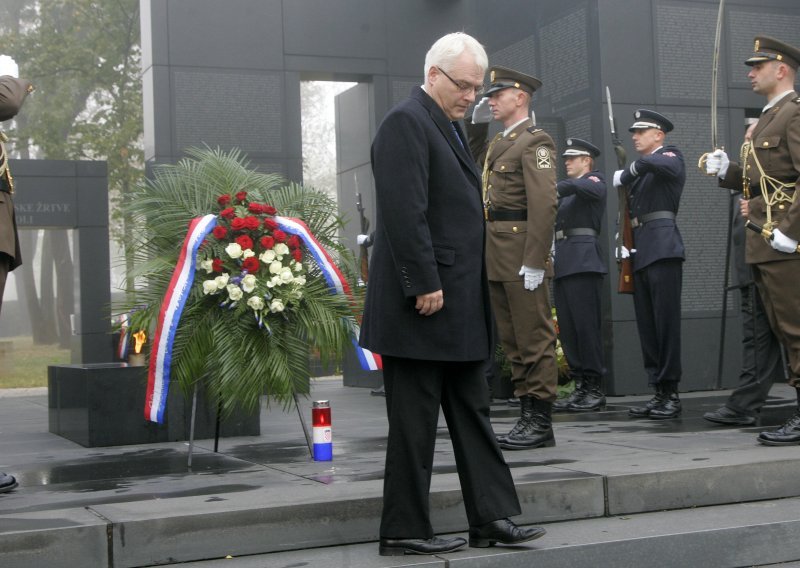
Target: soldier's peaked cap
<point>646,118</point>
<point>578,147</point>
<point>771,49</point>
<point>503,78</point>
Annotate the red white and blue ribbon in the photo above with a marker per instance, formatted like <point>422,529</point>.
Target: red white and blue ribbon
<point>180,286</point>
<point>171,309</point>
<point>333,276</point>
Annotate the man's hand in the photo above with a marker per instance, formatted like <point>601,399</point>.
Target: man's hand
<point>618,178</point>
<point>622,252</point>
<point>717,163</point>
<point>782,243</point>
<point>362,239</point>
<point>429,304</point>
<point>744,208</point>
<point>482,113</point>
<point>533,277</point>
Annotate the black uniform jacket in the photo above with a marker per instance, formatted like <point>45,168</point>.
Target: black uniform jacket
<point>429,236</point>
<point>657,186</point>
<point>581,204</point>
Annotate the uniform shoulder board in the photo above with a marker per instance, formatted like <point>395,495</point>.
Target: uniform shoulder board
<point>797,100</point>
<point>533,129</point>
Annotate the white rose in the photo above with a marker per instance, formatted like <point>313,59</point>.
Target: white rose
<point>234,292</point>
<point>281,249</point>
<point>275,267</point>
<point>298,266</point>
<point>248,283</point>
<point>247,253</point>
<point>207,265</point>
<point>209,287</point>
<point>256,303</point>
<point>267,256</point>
<point>234,250</point>
<point>222,280</point>
<point>276,305</point>
<point>286,274</point>
<point>300,280</point>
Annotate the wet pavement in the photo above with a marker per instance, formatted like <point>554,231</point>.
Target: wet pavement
<point>603,460</point>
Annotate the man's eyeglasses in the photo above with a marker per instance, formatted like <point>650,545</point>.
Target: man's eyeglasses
<point>463,86</point>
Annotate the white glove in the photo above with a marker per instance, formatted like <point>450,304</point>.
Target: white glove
<point>361,239</point>
<point>8,66</point>
<point>618,178</point>
<point>482,113</point>
<point>782,243</point>
<point>533,277</point>
<point>622,252</point>
<point>717,163</point>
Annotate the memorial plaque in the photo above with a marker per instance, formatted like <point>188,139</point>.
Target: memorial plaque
<point>565,40</point>
<point>401,88</point>
<point>229,110</point>
<point>520,56</point>
<point>746,23</point>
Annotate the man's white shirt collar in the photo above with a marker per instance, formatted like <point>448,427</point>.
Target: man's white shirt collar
<point>513,126</point>
<point>774,100</point>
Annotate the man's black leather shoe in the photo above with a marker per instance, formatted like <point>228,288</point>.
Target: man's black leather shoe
<point>644,411</point>
<point>7,482</point>
<point>729,417</point>
<point>786,435</point>
<point>435,545</point>
<point>670,408</point>
<point>502,531</point>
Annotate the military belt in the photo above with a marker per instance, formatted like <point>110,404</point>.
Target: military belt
<point>506,214</point>
<point>647,217</point>
<point>576,232</point>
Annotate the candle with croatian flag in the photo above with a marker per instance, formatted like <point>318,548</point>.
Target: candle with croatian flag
<point>323,432</point>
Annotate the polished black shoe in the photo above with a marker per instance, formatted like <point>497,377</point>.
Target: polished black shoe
<point>786,435</point>
<point>536,430</point>
<point>7,482</point>
<point>380,391</point>
<point>592,399</point>
<point>564,404</point>
<point>513,401</point>
<point>669,408</point>
<point>729,417</point>
<point>435,545</point>
<point>644,411</point>
<point>502,531</point>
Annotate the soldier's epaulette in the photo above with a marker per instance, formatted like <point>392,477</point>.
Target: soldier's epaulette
<point>533,129</point>
<point>796,101</point>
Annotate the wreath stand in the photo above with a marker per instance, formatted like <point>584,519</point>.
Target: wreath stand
<point>306,433</point>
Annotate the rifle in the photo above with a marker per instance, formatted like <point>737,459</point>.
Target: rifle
<point>624,228</point>
<point>363,255</point>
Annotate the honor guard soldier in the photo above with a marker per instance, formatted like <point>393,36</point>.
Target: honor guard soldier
<point>12,94</point>
<point>768,175</point>
<point>519,198</point>
<point>654,184</point>
<point>579,270</point>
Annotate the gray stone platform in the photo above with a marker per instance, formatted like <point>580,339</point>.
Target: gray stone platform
<point>613,492</point>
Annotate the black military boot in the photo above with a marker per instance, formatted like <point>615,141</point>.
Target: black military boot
<point>786,435</point>
<point>525,416</point>
<point>593,397</point>
<point>536,433</point>
<point>670,407</point>
<point>576,395</point>
<point>644,411</point>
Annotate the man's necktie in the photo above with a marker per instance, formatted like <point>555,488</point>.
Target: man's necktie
<point>455,131</point>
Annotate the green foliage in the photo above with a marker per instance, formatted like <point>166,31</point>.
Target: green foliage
<point>225,348</point>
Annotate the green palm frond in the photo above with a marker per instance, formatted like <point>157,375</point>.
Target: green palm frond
<point>225,348</point>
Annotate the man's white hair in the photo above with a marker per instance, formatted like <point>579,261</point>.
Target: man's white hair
<point>446,50</point>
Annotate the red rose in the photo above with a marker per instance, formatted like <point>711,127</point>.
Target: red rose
<point>251,265</point>
<point>293,241</point>
<point>298,255</point>
<point>255,208</point>
<point>267,242</point>
<point>279,235</point>
<point>270,224</point>
<point>252,223</point>
<point>216,265</point>
<point>269,210</point>
<point>223,200</point>
<point>238,224</point>
<point>227,213</point>
<point>220,232</point>
<point>244,241</point>
<point>241,196</point>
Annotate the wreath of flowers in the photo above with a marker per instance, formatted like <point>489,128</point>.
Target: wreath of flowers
<point>257,266</point>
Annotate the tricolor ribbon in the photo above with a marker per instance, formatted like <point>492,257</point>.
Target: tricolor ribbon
<point>180,286</point>
<point>122,346</point>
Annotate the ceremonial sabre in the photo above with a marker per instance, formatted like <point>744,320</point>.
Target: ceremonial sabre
<point>624,228</point>
<point>701,163</point>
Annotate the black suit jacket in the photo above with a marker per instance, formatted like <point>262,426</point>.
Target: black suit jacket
<point>429,236</point>
<point>581,204</point>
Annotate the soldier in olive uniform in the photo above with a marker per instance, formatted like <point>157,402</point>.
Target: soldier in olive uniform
<point>579,270</point>
<point>769,176</point>
<point>519,194</point>
<point>12,94</point>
